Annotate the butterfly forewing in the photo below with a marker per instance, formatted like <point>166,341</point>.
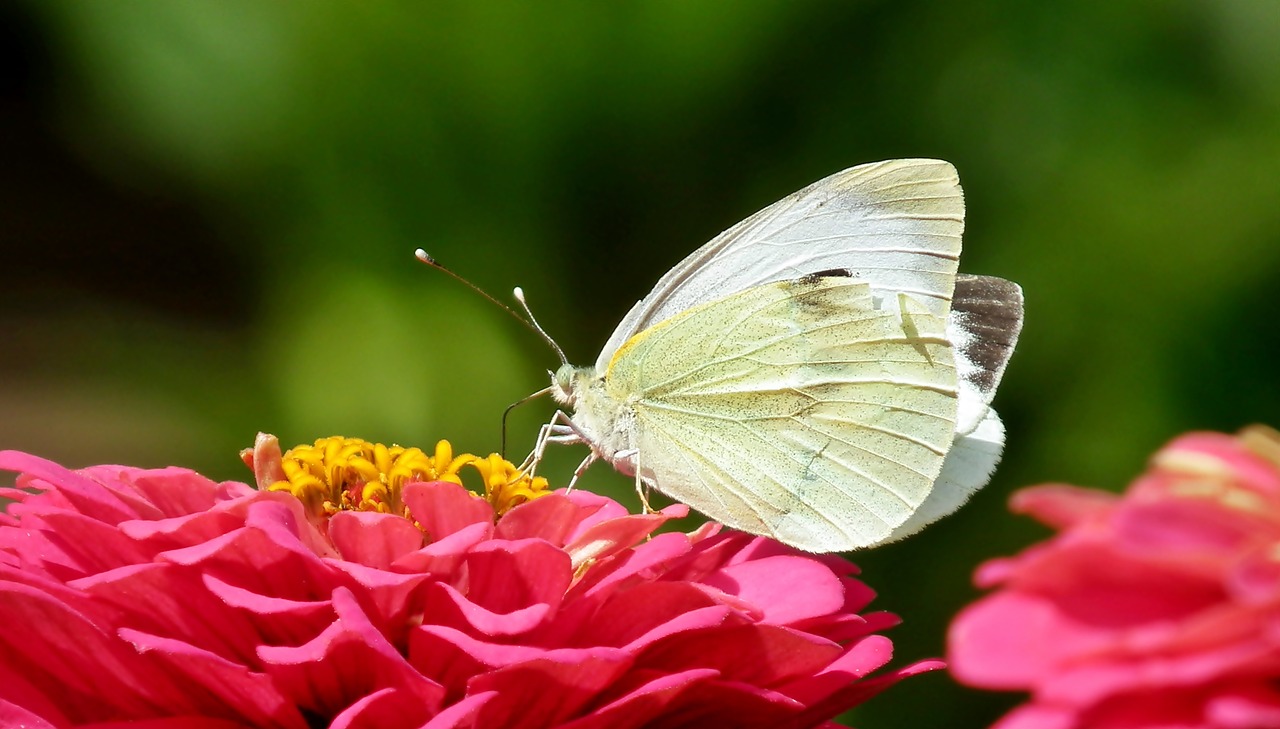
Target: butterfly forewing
<point>896,225</point>
<point>835,414</point>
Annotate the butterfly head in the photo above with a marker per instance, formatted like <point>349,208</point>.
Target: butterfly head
<point>567,383</point>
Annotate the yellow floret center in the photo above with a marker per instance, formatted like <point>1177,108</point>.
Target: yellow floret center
<point>348,474</point>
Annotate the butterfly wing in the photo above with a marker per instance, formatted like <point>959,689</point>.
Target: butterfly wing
<point>985,321</point>
<point>801,409</point>
<point>896,225</point>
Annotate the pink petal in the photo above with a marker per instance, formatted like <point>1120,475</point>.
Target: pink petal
<point>176,604</point>
<point>168,722</point>
<point>1206,453</point>
<point>1197,533</point>
<point>637,566</point>
<point>645,702</point>
<point>1118,671</point>
<point>96,547</point>
<point>552,518</point>
<point>346,662</point>
<point>270,556</point>
<point>1061,506</point>
<point>710,555</point>
<point>446,558</point>
<point>110,685</point>
<point>1133,589</point>
<point>68,487</point>
<point>715,616</point>
<point>283,520</point>
<point>509,576</point>
<point>181,531</point>
<point>757,654</point>
<point>1166,710</point>
<point>453,657</point>
<point>1151,610</point>
<point>642,614</point>
<point>998,642</point>
<point>719,703</point>
<point>859,661</point>
<point>785,588</point>
<point>385,709</point>
<point>388,597</point>
<point>462,714</point>
<point>1255,579</point>
<point>34,550</point>
<point>847,628</point>
<point>442,508</point>
<point>24,696</point>
<point>857,595</point>
<point>372,539</point>
<point>17,717</point>
<point>275,620</point>
<point>199,683</point>
<point>180,492</point>
<point>450,608</point>
<point>611,537</point>
<point>995,572</point>
<point>593,509</point>
<point>1245,707</point>
<point>1038,716</point>
<point>546,691</point>
<point>852,694</point>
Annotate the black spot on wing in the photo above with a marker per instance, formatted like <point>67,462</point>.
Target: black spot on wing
<point>990,310</point>
<point>810,279</point>
<point>812,293</point>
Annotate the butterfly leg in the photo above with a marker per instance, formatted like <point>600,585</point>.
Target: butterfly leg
<point>560,429</point>
<point>539,446</point>
<point>581,469</point>
<point>631,457</point>
<point>642,489</point>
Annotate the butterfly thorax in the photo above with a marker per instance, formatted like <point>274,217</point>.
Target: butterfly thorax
<point>602,420</point>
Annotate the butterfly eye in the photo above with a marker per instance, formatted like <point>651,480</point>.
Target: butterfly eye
<point>563,387</point>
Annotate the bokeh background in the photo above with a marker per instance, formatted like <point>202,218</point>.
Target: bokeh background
<point>208,212</point>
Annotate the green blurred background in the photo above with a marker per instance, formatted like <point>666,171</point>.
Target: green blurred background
<point>209,212</point>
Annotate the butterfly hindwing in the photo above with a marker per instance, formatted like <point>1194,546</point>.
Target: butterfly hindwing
<point>799,408</point>
<point>984,326</point>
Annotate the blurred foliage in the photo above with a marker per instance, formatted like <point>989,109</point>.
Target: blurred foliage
<point>210,210</point>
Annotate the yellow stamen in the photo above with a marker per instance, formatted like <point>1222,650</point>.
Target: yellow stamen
<point>505,486</point>
<point>348,474</point>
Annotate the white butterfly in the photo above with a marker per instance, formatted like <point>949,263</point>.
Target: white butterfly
<point>818,373</point>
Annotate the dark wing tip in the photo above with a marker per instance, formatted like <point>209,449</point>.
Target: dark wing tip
<point>989,309</point>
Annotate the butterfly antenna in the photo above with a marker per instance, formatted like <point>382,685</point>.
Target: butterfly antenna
<point>519,294</point>
<point>531,323</point>
<point>426,258</point>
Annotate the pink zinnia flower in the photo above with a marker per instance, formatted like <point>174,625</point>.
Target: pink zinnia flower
<point>1158,608</point>
<point>362,586</point>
